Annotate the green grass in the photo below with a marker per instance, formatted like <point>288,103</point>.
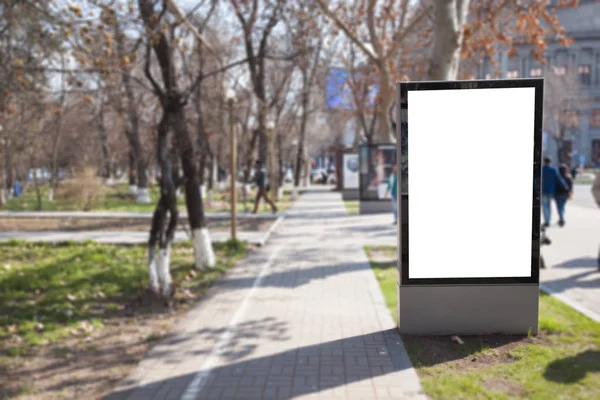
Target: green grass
<point>114,201</point>
<point>562,363</point>
<point>352,206</point>
<point>47,291</point>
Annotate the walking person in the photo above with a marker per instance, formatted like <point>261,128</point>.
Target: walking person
<point>563,194</point>
<point>392,188</point>
<point>596,194</point>
<point>551,179</point>
<point>262,188</point>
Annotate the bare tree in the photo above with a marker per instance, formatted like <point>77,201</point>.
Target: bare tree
<point>563,98</point>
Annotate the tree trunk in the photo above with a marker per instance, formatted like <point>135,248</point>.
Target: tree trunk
<point>132,168</point>
<point>386,96</point>
<point>38,192</point>
<point>450,16</point>
<point>103,136</point>
<point>211,174</point>
<point>159,269</point>
<point>203,250</point>
<point>249,154</point>
<point>132,123</point>
<point>279,161</point>
<point>8,166</point>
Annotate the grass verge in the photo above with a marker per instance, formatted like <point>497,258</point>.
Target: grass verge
<point>81,305</point>
<point>117,199</point>
<point>352,207</point>
<point>562,362</point>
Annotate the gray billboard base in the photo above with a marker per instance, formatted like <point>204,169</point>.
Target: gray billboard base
<point>468,310</point>
<point>374,207</point>
<point>350,194</point>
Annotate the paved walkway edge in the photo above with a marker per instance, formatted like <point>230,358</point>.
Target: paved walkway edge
<point>574,305</point>
<point>271,230</point>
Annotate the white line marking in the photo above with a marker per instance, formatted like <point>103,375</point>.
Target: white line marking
<point>197,384</point>
<point>271,230</point>
<point>571,303</point>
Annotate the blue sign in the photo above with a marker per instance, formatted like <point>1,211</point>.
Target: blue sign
<point>338,92</point>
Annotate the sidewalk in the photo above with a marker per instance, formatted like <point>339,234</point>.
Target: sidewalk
<point>120,237</point>
<point>303,317</point>
<point>572,272</point>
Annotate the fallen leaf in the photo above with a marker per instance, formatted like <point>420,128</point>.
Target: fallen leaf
<point>12,329</point>
<point>7,266</point>
<point>39,326</point>
<point>70,297</point>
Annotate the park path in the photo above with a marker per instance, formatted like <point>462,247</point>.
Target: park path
<point>302,317</point>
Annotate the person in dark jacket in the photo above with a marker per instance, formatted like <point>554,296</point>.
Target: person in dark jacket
<point>260,180</point>
<point>551,180</point>
<point>563,194</point>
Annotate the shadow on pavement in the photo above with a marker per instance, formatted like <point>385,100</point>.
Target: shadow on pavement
<point>292,373</point>
<point>584,262</point>
<point>575,281</point>
<point>293,278</point>
<point>573,369</point>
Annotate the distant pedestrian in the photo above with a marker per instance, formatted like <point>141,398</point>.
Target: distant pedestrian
<point>551,179</point>
<point>262,188</point>
<point>17,189</point>
<point>563,194</point>
<point>596,194</point>
<point>392,188</point>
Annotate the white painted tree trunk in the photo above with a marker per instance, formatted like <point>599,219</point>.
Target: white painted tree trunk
<point>153,284</point>
<point>295,192</point>
<point>51,195</point>
<point>179,193</point>
<point>203,251</point>
<point>450,17</point>
<point>143,196</point>
<point>280,193</point>
<point>210,195</point>
<point>2,197</point>
<point>203,191</point>
<point>221,186</point>
<point>133,190</point>
<point>110,181</point>
<point>164,272</point>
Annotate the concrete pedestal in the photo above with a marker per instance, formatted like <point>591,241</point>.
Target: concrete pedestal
<point>350,194</point>
<point>468,310</point>
<point>375,207</point>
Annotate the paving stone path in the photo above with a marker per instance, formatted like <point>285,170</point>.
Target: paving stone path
<point>302,318</point>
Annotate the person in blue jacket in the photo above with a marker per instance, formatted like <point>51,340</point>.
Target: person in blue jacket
<point>392,188</point>
<point>551,183</point>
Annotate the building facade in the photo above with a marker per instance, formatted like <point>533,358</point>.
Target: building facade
<point>583,26</point>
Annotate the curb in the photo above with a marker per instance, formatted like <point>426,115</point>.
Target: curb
<point>582,310</point>
<point>118,215</point>
<point>270,231</point>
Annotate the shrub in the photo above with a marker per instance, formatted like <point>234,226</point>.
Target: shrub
<point>84,191</point>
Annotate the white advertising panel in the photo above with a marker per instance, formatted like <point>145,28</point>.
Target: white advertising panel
<point>350,170</point>
<point>471,182</point>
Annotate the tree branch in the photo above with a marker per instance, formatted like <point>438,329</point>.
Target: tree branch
<point>347,31</point>
<point>157,90</point>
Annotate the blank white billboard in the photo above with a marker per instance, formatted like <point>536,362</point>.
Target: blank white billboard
<point>470,185</point>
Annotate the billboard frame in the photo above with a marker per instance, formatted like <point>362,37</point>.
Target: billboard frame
<point>361,176</point>
<point>403,200</point>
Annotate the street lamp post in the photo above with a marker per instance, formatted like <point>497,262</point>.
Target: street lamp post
<point>272,175</point>
<point>233,164</point>
<point>294,187</point>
